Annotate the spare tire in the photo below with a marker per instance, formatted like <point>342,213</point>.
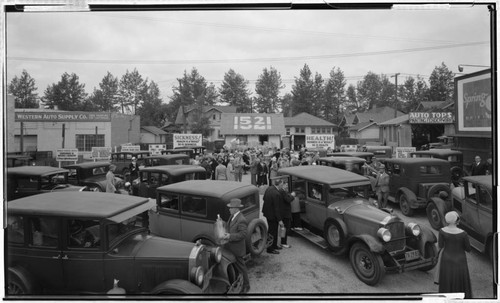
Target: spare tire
<point>436,189</point>
<point>256,239</point>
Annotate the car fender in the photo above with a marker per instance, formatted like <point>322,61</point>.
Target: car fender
<point>426,236</point>
<point>26,278</point>
<point>442,205</point>
<point>373,243</point>
<point>220,271</point>
<point>204,236</point>
<point>406,191</point>
<point>176,286</point>
<point>341,223</point>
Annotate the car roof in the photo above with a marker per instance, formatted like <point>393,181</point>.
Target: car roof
<point>174,169</point>
<point>169,156</point>
<point>135,152</point>
<point>416,160</point>
<point>88,164</point>
<point>353,154</point>
<point>339,159</point>
<point>34,170</point>
<point>76,204</point>
<point>441,152</point>
<point>323,174</point>
<point>485,180</point>
<point>211,188</point>
<point>21,157</point>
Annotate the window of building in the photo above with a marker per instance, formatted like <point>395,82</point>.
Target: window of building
<point>299,130</point>
<point>86,142</point>
<point>288,131</point>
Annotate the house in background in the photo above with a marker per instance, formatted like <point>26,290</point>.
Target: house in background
<point>188,114</point>
<point>152,134</point>
<point>300,125</point>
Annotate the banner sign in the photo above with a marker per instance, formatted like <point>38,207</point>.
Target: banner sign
<point>320,141</point>
<point>404,152</point>
<point>474,102</point>
<point>101,153</point>
<point>252,122</point>
<point>67,155</point>
<point>130,148</point>
<point>155,149</point>
<point>181,140</point>
<point>431,118</point>
<point>41,116</point>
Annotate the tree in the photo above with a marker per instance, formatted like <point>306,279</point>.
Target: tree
<point>152,111</point>
<point>131,89</point>
<point>23,89</point>
<point>267,88</point>
<point>368,91</point>
<point>351,106</point>
<point>234,92</point>
<point>335,96</point>
<point>318,96</point>
<point>191,87</point>
<point>286,105</point>
<point>412,92</point>
<point>67,94</point>
<point>106,97</point>
<point>303,91</point>
<point>441,84</point>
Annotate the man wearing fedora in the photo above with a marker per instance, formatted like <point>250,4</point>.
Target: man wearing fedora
<point>236,232</point>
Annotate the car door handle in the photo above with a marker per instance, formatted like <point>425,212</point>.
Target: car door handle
<point>56,257</point>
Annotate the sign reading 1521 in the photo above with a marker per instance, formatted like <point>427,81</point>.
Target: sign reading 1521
<point>252,122</point>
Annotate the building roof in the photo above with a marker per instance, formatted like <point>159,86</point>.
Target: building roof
<point>154,130</point>
<point>305,119</point>
<point>252,124</point>
<point>378,114</point>
<point>431,104</point>
<point>223,109</point>
<point>361,126</point>
<point>398,120</point>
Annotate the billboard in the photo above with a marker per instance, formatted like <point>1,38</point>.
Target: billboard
<point>473,103</point>
<point>181,140</point>
<point>320,141</point>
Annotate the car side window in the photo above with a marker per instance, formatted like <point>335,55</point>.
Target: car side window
<point>154,179</point>
<point>194,205</point>
<point>15,229</point>
<point>169,202</point>
<point>315,191</point>
<point>83,234</point>
<point>484,197</point>
<point>44,232</point>
<point>248,201</point>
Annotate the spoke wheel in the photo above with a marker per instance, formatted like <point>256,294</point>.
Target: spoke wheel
<point>404,205</point>
<point>367,266</point>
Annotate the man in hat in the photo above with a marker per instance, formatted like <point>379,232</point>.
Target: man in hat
<point>235,236</point>
<point>134,169</point>
<point>382,186</point>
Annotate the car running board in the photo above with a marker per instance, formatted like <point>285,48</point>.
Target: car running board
<point>312,237</point>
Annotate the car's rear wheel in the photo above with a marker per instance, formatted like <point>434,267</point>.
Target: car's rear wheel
<point>176,287</point>
<point>367,266</point>
<point>430,251</point>
<point>334,236</point>
<point>19,282</point>
<point>436,189</point>
<point>257,237</point>
<point>404,205</point>
<point>434,216</point>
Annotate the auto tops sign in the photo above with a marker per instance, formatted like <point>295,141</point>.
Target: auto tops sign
<point>320,141</point>
<point>181,140</point>
<point>42,116</point>
<point>431,118</point>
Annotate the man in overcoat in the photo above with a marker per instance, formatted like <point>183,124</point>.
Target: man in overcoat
<point>271,210</point>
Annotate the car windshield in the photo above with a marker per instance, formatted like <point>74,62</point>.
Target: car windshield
<point>341,193</point>
<point>117,231</point>
<point>50,181</point>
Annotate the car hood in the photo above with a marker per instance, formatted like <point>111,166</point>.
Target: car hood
<point>147,246</point>
<point>99,179</point>
<point>68,187</point>
<point>358,207</point>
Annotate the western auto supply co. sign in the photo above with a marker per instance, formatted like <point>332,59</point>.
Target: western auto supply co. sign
<point>62,116</point>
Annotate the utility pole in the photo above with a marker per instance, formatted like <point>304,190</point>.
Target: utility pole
<point>396,103</point>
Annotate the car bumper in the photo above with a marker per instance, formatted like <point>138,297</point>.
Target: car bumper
<point>402,265</point>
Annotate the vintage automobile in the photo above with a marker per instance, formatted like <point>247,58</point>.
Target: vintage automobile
<point>184,151</point>
<point>197,150</point>
<point>150,178</point>
<point>365,155</point>
<point>19,160</point>
<point>455,158</point>
<point>377,240</point>
<point>90,174</point>
<point>25,181</point>
<point>474,203</point>
<point>171,159</point>
<point>352,164</point>
<point>414,181</point>
<point>379,151</point>
<point>122,161</point>
<point>348,148</point>
<point>81,243</point>
<point>187,211</point>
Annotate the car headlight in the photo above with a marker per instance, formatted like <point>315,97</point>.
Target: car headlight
<point>197,275</point>
<point>384,234</point>
<point>414,229</point>
<point>216,254</point>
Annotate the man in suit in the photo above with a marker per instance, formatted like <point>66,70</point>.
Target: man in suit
<point>236,232</point>
<point>478,167</point>
<point>271,210</point>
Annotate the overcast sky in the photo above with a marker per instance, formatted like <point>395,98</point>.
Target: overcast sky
<point>162,45</point>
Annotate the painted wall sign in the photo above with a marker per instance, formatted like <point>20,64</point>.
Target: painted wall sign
<point>431,118</point>
<point>252,123</point>
<point>181,140</point>
<point>320,141</point>
<point>62,117</point>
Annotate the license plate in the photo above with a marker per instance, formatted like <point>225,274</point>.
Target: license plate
<point>412,255</point>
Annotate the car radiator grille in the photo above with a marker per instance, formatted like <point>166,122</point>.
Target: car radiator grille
<point>398,241</point>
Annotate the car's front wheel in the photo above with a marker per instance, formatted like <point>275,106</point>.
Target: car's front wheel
<point>404,205</point>
<point>434,216</point>
<point>430,251</point>
<point>257,237</point>
<point>367,266</point>
<point>19,282</point>
<point>176,287</point>
<point>334,236</point>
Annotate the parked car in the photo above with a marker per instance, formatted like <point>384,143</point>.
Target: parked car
<point>122,161</point>
<point>455,158</point>
<point>150,178</point>
<point>25,181</point>
<point>171,159</point>
<point>414,181</point>
<point>19,160</point>
<point>474,203</point>
<point>348,147</point>
<point>365,155</point>
<point>187,211</point>
<point>185,151</point>
<point>80,243</point>
<point>91,174</point>
<point>379,151</point>
<point>335,206</point>
<point>197,150</point>
<point>352,164</point>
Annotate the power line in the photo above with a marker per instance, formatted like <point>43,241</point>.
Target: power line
<point>211,61</point>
